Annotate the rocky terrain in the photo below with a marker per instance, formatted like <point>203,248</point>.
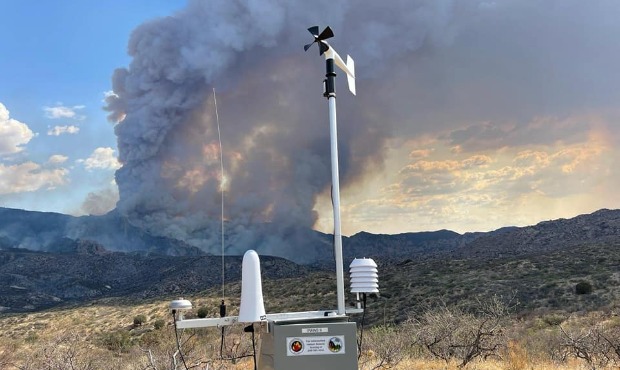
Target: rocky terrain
<point>41,266</point>
<point>600,227</point>
<point>81,271</point>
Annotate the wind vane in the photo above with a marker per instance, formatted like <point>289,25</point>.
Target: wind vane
<point>330,53</point>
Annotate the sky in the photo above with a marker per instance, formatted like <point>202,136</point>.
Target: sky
<point>470,115</point>
<point>58,150</point>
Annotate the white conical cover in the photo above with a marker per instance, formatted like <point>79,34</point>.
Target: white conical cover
<point>364,276</point>
<point>252,308</point>
<point>363,262</point>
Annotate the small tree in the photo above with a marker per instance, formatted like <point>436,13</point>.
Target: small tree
<point>202,312</point>
<point>159,324</point>
<point>119,341</point>
<point>451,333</point>
<point>598,346</point>
<point>139,320</point>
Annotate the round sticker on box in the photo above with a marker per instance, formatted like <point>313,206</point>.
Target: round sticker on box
<point>335,344</point>
<point>296,346</point>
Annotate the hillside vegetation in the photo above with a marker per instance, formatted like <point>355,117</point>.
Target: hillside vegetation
<point>541,297</point>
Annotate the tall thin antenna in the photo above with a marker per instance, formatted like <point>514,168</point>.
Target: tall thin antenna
<point>219,136</point>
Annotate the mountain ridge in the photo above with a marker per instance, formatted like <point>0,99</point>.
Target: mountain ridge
<point>78,270</point>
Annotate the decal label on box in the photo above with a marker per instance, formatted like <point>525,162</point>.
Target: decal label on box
<point>314,330</point>
<point>306,346</point>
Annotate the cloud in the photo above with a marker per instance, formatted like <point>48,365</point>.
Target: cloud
<point>420,153</point>
<point>57,159</point>
<point>29,177</point>
<point>447,165</point>
<point>101,158</point>
<point>486,191</point>
<point>61,111</point>
<point>13,134</point>
<point>475,191</point>
<point>498,135</point>
<point>59,130</point>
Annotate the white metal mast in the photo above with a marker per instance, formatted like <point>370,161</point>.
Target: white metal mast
<point>332,58</point>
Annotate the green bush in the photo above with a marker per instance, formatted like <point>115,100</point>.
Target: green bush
<point>554,319</point>
<point>202,312</point>
<point>583,287</point>
<point>159,324</point>
<point>139,320</point>
<point>119,340</point>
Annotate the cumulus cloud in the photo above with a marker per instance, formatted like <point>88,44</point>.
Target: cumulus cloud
<point>447,165</point>
<point>57,159</point>
<point>59,130</point>
<point>554,171</point>
<point>486,191</point>
<point>13,134</point>
<point>101,158</point>
<point>62,111</point>
<point>29,177</point>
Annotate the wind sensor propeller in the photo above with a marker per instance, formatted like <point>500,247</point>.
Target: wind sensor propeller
<point>319,38</point>
<point>330,53</point>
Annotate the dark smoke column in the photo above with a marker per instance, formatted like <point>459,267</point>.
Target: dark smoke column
<point>275,139</point>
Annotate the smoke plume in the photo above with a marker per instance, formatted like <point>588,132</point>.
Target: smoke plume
<point>274,122</point>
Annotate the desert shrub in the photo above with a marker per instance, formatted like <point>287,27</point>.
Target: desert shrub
<point>32,337</point>
<point>202,312</point>
<point>449,333</point>
<point>158,324</point>
<point>554,319</point>
<point>597,345</point>
<point>139,320</point>
<point>67,350</point>
<point>119,340</point>
<point>583,287</point>
<point>544,343</point>
<point>383,346</point>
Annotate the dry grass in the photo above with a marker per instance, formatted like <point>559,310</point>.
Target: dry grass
<point>89,320</point>
<point>26,336</point>
<point>421,364</point>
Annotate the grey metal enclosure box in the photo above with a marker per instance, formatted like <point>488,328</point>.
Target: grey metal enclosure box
<point>320,344</point>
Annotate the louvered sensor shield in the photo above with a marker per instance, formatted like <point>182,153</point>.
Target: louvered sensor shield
<point>364,276</point>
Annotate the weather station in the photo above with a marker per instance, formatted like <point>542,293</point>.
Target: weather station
<point>309,340</point>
